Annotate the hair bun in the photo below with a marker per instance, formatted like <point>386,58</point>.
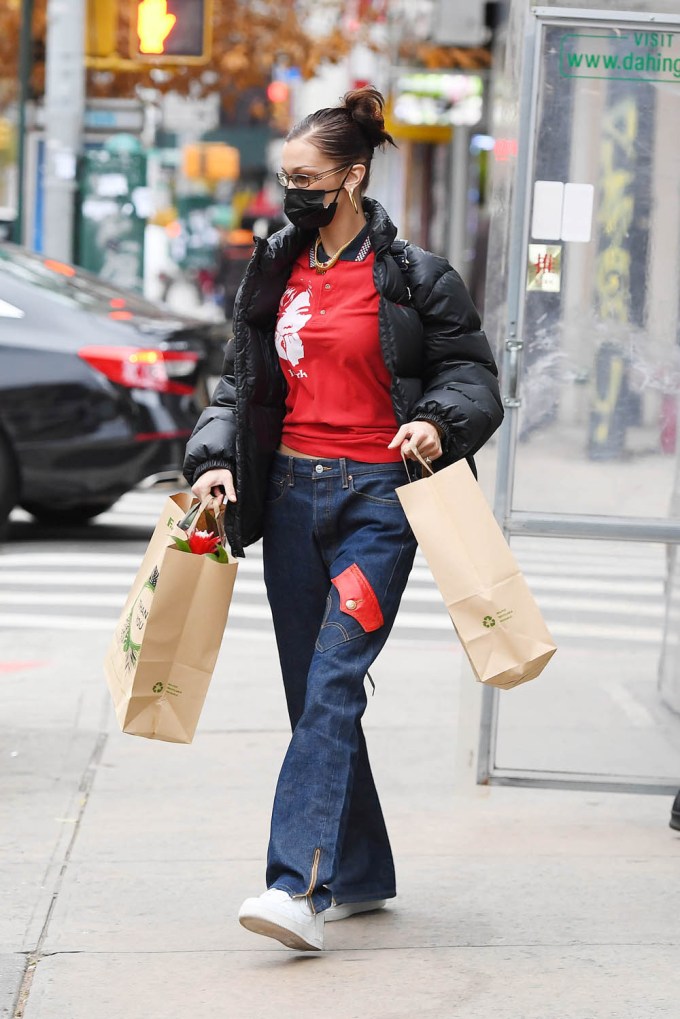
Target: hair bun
<point>365,106</point>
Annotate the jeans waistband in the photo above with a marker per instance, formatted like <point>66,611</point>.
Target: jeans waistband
<point>342,467</point>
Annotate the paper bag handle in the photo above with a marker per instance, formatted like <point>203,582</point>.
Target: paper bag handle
<point>189,522</point>
<point>418,455</point>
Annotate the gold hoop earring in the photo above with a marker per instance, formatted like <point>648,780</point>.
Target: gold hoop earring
<point>353,201</point>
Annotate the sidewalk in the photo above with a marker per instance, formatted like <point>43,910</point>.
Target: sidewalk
<point>124,862</point>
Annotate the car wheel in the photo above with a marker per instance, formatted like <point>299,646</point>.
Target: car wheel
<point>71,516</point>
<point>9,484</point>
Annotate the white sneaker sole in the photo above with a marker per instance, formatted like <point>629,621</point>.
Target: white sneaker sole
<point>271,929</point>
<point>343,910</point>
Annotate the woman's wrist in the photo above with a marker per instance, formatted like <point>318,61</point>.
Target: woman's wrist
<point>210,465</point>
<point>441,431</point>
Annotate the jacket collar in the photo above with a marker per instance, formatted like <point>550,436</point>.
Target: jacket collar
<point>281,249</point>
<point>381,229</point>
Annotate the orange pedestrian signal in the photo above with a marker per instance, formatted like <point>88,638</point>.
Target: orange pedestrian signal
<point>172,31</point>
<point>154,25</point>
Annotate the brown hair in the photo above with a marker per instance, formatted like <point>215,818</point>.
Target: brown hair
<point>349,133</point>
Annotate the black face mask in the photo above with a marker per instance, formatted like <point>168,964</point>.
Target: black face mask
<point>305,207</point>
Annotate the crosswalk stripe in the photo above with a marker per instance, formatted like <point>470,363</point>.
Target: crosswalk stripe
<point>35,620</point>
<point>635,608</point>
<point>621,574</point>
<point>81,578</point>
<point>129,517</point>
<point>48,559</point>
<point>563,584</point>
<point>87,597</point>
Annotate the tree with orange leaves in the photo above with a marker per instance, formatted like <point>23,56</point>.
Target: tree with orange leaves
<point>249,38</point>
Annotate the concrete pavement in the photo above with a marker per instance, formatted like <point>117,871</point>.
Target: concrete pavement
<point>124,862</point>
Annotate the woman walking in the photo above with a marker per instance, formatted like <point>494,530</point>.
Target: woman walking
<point>350,350</point>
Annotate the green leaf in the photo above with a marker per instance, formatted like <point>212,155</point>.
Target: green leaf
<point>220,555</point>
<point>181,544</point>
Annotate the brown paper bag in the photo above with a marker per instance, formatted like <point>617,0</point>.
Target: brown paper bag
<point>497,620</point>
<point>161,658</point>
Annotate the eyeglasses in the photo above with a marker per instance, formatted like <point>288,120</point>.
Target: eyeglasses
<point>303,180</point>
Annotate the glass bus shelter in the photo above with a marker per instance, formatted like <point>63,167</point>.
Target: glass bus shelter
<point>583,299</point>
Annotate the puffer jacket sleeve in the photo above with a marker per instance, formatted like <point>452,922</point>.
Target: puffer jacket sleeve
<point>212,443</point>
<point>460,378</point>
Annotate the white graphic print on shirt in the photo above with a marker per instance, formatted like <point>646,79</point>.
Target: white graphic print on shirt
<point>295,313</point>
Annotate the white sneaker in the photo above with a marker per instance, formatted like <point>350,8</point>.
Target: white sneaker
<point>291,921</point>
<point>340,911</point>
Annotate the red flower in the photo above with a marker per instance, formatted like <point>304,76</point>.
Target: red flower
<point>203,542</point>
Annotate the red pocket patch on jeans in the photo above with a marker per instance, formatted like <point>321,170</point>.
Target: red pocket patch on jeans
<point>357,598</point>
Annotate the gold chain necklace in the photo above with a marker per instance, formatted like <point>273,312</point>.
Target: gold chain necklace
<point>322,267</point>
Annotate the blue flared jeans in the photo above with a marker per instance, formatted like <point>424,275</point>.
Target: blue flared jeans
<point>337,554</point>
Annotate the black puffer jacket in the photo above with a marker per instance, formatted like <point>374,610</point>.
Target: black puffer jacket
<point>441,365</point>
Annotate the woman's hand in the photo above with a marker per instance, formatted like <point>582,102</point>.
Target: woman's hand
<point>220,476</point>
<point>420,435</point>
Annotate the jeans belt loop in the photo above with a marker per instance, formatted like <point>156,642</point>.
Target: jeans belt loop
<point>343,469</point>
<point>291,472</point>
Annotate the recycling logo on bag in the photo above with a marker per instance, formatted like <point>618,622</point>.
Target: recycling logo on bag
<point>157,688</point>
<point>489,621</point>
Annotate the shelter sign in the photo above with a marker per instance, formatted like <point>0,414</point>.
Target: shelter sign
<point>631,55</point>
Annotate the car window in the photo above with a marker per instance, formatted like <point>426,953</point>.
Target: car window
<point>72,286</point>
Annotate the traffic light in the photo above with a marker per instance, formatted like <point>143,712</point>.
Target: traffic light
<point>171,31</point>
<point>210,161</point>
<point>102,26</point>
<point>280,96</point>
<point>6,134</point>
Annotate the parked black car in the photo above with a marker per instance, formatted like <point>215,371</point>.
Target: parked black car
<point>99,389</point>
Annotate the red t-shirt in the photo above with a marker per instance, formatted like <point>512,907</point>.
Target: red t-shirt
<point>338,401</point>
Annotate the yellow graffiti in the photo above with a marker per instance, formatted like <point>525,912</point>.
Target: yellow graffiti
<point>617,204</point>
<point>604,405</point>
<point>617,208</point>
<point>613,274</point>
<point>613,268</point>
<point>621,125</point>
